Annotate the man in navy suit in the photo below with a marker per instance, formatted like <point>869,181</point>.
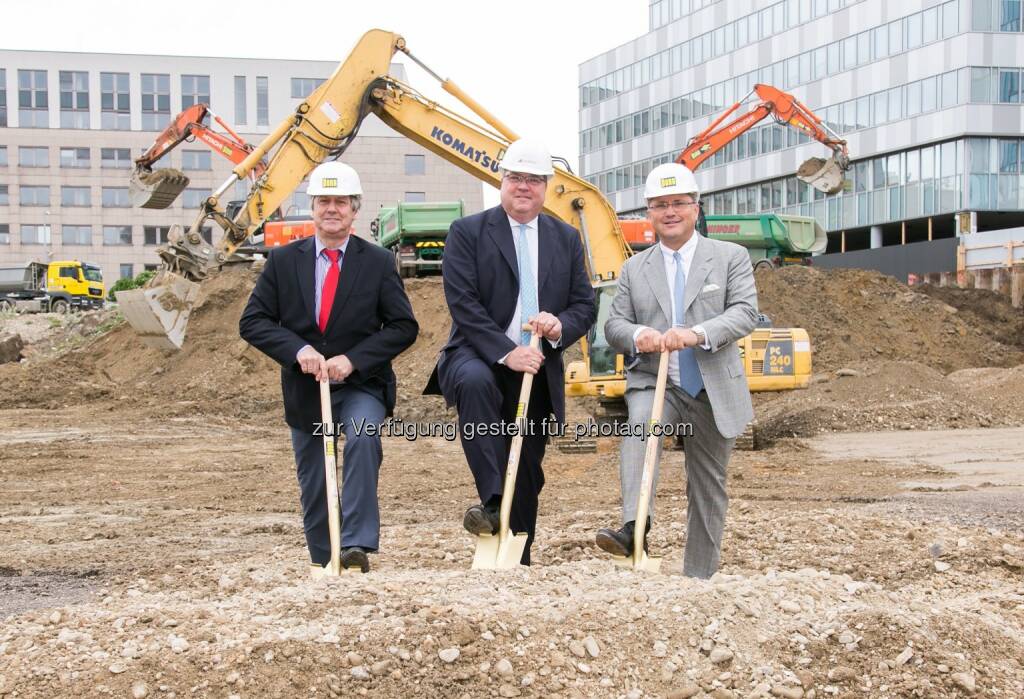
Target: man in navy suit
<point>333,307</point>
<point>502,268</point>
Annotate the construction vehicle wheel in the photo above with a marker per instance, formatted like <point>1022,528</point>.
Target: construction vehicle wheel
<point>60,306</point>
<point>763,264</point>
<point>6,305</point>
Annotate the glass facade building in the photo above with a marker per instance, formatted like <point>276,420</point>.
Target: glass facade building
<point>927,94</point>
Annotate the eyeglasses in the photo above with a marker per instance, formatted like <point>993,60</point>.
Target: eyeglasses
<point>532,180</point>
<point>662,206</point>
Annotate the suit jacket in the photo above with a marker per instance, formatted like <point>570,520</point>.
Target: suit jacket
<point>371,322</point>
<point>720,296</point>
<point>481,285</point>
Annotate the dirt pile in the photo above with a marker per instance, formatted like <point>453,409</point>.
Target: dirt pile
<point>215,372</point>
<point>857,315</point>
<point>889,395</point>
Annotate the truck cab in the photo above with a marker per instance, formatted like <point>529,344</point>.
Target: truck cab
<point>57,286</point>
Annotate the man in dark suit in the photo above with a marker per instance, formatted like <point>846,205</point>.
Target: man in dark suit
<point>502,268</point>
<point>332,307</point>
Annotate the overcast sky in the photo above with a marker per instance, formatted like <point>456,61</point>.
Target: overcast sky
<point>519,59</point>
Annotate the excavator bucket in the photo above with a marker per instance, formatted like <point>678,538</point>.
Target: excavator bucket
<point>824,175</point>
<point>156,189</point>
<point>159,311</point>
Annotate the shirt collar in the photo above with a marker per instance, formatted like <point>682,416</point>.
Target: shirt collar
<point>514,225</point>
<point>686,250</point>
<point>320,247</point>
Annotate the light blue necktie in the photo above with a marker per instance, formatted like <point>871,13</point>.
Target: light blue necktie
<point>690,379</point>
<point>527,285</point>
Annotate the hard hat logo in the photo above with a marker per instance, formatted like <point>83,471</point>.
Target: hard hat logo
<point>668,181</point>
<point>329,182</point>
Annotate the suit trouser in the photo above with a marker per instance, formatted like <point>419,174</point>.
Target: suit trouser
<point>707,455</point>
<point>360,465</point>
<point>489,396</point>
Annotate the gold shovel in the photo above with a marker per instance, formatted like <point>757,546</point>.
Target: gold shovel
<point>504,550</point>
<point>331,472</point>
<point>640,560</point>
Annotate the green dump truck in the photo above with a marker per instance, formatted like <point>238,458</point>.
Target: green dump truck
<point>415,233</point>
<point>772,240</point>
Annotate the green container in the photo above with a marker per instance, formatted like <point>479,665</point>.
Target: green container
<point>411,221</point>
<point>773,233</point>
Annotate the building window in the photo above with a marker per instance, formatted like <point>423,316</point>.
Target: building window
<point>115,158</point>
<point>117,235</point>
<point>4,196</point>
<point>301,87</point>
<point>76,235</point>
<point>262,101</point>
<point>981,85</point>
<point>415,196</point>
<point>5,234</point>
<point>3,97</point>
<point>195,89</point>
<point>115,198</point>
<point>3,156</point>
<point>74,157</point>
<point>155,235</point>
<point>35,234</point>
<point>196,160</point>
<point>33,103</point>
<point>33,156</point>
<point>74,99</point>
<point>115,101</point>
<point>415,165</point>
<point>126,270</point>
<point>156,101</point>
<point>74,196</point>
<point>1009,85</point>
<point>150,267</point>
<point>34,195</point>
<point>193,198</point>
<point>240,101</point>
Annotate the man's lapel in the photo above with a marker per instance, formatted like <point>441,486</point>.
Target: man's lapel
<point>349,274</point>
<point>305,270</point>
<point>700,268</point>
<point>653,271</point>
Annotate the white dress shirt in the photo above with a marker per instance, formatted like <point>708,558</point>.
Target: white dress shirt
<point>514,331</point>
<point>687,252</point>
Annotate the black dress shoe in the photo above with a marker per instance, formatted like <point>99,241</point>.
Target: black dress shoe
<point>355,557</point>
<point>619,542</point>
<point>480,520</point>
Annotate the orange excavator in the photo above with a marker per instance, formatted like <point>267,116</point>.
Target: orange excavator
<point>158,189</point>
<point>825,175</point>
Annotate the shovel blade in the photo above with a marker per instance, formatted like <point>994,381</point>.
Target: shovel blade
<point>648,564</point>
<point>492,554</point>
<point>317,572</point>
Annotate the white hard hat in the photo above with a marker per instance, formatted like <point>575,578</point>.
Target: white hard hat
<point>334,179</point>
<point>530,157</point>
<point>670,178</point>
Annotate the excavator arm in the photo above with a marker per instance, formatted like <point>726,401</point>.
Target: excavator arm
<point>824,175</point>
<point>157,189</point>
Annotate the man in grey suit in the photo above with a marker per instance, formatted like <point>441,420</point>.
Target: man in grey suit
<point>693,297</point>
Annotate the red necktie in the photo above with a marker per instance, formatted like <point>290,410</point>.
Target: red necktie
<point>330,286</point>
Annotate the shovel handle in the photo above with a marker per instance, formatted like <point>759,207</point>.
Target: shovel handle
<point>512,468</point>
<point>331,476</point>
<point>650,455</point>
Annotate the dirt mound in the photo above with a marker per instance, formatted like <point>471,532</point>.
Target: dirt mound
<point>889,395</point>
<point>857,315</point>
<point>215,372</point>
<point>983,308</point>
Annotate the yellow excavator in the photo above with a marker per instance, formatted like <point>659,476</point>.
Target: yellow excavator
<point>321,128</point>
